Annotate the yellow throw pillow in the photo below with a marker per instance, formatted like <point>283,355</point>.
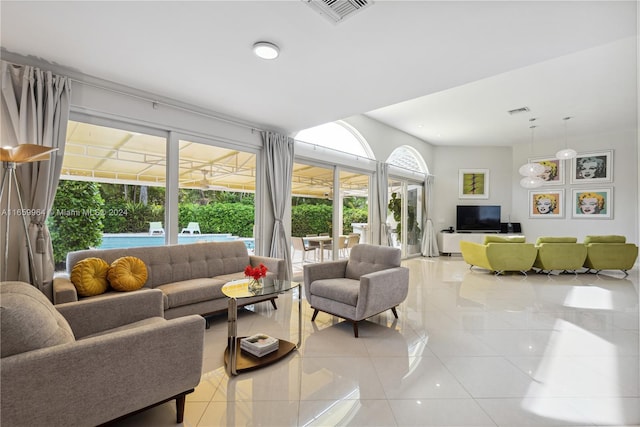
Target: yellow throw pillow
<point>127,273</point>
<point>89,276</point>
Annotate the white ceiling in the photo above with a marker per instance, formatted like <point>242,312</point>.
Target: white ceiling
<point>446,72</point>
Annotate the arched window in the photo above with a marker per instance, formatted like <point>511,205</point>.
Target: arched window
<point>408,158</point>
<point>338,136</point>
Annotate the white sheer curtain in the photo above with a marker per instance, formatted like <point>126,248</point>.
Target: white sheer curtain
<point>429,241</point>
<point>382,180</point>
<point>279,151</point>
<point>35,110</point>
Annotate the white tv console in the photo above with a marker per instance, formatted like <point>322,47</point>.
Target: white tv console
<point>449,243</point>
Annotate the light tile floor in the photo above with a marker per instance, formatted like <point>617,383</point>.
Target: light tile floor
<point>469,349</point>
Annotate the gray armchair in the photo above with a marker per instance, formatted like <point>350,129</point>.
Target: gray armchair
<point>369,282</point>
<point>89,362</point>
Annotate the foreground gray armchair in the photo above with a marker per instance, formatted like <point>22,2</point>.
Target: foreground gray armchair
<point>89,362</point>
<point>369,282</point>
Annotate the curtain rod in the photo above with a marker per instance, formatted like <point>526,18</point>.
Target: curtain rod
<point>156,102</point>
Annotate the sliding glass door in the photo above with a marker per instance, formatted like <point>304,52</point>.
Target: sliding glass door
<point>405,215</point>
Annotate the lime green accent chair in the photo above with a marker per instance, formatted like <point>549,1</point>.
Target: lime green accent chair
<point>500,254</point>
<point>610,252</point>
<point>559,253</point>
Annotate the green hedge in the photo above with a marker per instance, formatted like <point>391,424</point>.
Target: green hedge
<point>349,216</point>
<point>234,218</point>
<point>310,219</point>
<point>130,217</point>
<point>76,218</point>
<point>315,219</point>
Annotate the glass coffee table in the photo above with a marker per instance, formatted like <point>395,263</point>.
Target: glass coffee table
<point>235,360</point>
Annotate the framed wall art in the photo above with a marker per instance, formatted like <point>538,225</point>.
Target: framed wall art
<point>553,170</point>
<point>592,203</point>
<point>546,204</point>
<point>473,184</point>
<point>592,168</point>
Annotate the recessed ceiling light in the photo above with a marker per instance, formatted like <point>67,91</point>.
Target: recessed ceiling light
<point>266,50</point>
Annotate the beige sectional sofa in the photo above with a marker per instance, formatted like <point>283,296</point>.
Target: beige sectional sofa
<point>190,276</point>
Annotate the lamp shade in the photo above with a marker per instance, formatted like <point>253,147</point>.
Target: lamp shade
<point>566,154</point>
<point>531,169</point>
<point>25,153</point>
<point>531,182</point>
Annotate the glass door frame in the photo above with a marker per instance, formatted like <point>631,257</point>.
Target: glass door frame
<point>336,206</point>
<point>404,183</point>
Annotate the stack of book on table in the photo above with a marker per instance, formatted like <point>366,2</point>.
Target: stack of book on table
<point>259,344</point>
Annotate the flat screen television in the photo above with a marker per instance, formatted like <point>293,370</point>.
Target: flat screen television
<point>478,219</point>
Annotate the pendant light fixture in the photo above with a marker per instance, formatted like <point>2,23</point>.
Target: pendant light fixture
<point>530,170</point>
<point>566,153</point>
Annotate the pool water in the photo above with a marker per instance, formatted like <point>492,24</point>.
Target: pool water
<point>124,240</point>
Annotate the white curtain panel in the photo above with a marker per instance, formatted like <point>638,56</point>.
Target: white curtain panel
<point>35,110</point>
<point>429,240</point>
<point>382,180</point>
<point>279,151</point>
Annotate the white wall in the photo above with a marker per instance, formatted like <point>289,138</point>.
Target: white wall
<point>384,139</point>
<point>448,161</point>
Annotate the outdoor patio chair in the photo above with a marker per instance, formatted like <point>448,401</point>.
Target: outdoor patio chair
<point>155,228</point>
<point>342,246</point>
<point>352,240</point>
<point>192,228</point>
<point>314,245</point>
<point>299,245</point>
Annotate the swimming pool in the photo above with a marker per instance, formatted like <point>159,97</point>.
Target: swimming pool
<point>131,240</point>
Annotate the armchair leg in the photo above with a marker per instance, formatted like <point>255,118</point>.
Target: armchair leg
<point>180,401</point>
<point>315,313</point>
<point>355,329</point>
<point>395,313</point>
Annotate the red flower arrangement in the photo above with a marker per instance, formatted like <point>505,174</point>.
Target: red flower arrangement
<point>256,272</point>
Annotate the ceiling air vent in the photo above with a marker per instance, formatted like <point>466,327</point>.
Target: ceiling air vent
<point>337,10</point>
<point>518,110</point>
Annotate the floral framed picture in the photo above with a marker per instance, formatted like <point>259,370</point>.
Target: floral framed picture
<point>546,204</point>
<point>473,184</point>
<point>592,168</point>
<point>553,170</point>
<point>592,203</point>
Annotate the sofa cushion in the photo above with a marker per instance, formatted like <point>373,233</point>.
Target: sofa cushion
<point>127,273</point>
<point>605,239</point>
<point>29,321</point>
<point>556,240</point>
<point>233,276</point>
<point>341,290</point>
<point>89,276</point>
<point>191,291</point>
<point>500,239</point>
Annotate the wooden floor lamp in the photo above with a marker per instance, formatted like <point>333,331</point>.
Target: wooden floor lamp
<point>11,157</point>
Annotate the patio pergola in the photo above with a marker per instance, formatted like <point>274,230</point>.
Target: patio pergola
<point>111,155</point>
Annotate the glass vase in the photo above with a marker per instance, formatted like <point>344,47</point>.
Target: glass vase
<point>255,284</point>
